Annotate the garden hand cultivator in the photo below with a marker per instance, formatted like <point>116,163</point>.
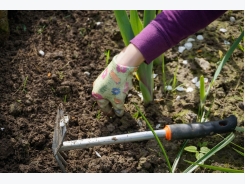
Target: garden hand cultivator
<point>170,132</point>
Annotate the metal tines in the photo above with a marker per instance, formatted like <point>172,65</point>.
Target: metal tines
<point>59,134</point>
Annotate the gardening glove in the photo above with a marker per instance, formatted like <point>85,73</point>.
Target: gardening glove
<point>112,86</point>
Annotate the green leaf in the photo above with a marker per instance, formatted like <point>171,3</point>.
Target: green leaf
<point>241,153</point>
<point>215,149</point>
<point>124,26</point>
<point>174,166</point>
<point>204,150</point>
<point>147,95</point>
<point>225,59</point>
<point>191,149</point>
<point>239,129</point>
<point>199,155</point>
<point>149,15</point>
<point>135,22</point>
<point>223,169</point>
<point>202,90</point>
<point>157,139</point>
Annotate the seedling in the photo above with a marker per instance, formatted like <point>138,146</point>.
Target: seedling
<point>67,16</point>
<point>82,31</point>
<point>24,84</point>
<point>107,54</point>
<point>40,30</point>
<point>98,114</point>
<point>198,153</point>
<point>65,98</point>
<point>61,75</point>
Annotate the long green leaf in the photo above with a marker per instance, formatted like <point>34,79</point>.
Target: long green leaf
<point>135,22</point>
<point>202,90</point>
<point>176,161</point>
<point>124,26</point>
<point>146,93</point>
<point>156,137</point>
<point>225,59</point>
<point>241,153</point>
<point>149,15</point>
<point>222,169</point>
<point>215,149</point>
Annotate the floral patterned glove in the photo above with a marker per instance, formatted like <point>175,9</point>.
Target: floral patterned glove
<point>112,86</point>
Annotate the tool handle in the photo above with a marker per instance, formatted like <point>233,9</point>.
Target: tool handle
<point>195,130</point>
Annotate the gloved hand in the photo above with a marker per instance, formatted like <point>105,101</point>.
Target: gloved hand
<point>112,86</point>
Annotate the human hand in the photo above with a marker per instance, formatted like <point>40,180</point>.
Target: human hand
<point>112,86</point>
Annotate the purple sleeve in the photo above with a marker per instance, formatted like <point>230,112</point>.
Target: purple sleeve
<point>169,28</point>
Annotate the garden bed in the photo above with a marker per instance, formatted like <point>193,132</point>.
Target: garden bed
<point>74,45</point>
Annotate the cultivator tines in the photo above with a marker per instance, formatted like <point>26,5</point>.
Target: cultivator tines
<point>59,134</point>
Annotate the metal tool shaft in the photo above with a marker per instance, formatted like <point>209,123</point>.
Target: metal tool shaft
<point>115,139</point>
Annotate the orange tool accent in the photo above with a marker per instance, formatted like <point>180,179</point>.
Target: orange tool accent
<point>168,132</point>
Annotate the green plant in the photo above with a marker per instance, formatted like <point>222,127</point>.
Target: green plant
<point>156,137</point>
<point>98,114</point>
<point>175,78</point>
<point>201,110</point>
<point>202,155</point>
<point>40,30</point>
<point>61,75</point>
<point>82,31</point>
<point>24,84</point>
<point>198,153</point>
<point>107,54</point>
<point>130,27</point>
<point>65,97</point>
<point>172,82</point>
<point>164,75</point>
<point>215,168</point>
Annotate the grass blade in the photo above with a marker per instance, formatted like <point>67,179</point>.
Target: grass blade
<point>176,161</point>
<point>156,137</point>
<point>222,169</point>
<point>241,153</point>
<point>225,59</point>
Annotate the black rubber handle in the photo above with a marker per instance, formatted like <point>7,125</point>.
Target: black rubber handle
<point>195,130</point>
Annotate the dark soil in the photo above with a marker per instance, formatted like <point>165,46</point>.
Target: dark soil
<point>32,86</point>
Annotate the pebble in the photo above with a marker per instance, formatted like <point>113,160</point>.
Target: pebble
<point>232,19</point>
<point>181,49</point>
<point>198,84</point>
<point>41,52</point>
<point>188,45</point>
<point>189,89</point>
<point>87,73</point>
<point>154,76</point>
<point>185,62</point>
<point>223,30</point>
<point>158,126</point>
<point>200,37</point>
<point>97,154</point>
<point>194,80</point>
<point>190,40</point>
<point>180,88</point>
<point>226,42</point>
<point>169,88</point>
